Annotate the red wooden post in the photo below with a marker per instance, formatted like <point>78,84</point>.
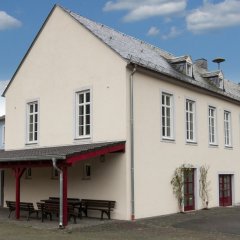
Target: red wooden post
<point>65,189</point>
<point>18,172</point>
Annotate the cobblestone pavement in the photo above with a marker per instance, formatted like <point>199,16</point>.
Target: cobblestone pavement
<point>216,223</point>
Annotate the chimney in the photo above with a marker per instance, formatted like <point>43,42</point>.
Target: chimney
<point>202,63</point>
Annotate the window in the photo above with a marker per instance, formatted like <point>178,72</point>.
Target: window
<point>54,173</point>
<point>28,173</point>
<point>87,171</point>
<point>190,121</point>
<point>83,114</point>
<point>212,125</point>
<point>167,116</point>
<point>189,69</point>
<point>32,122</point>
<point>3,134</point>
<point>227,129</point>
<point>184,67</point>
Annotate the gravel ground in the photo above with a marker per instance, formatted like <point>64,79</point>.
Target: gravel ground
<point>217,223</point>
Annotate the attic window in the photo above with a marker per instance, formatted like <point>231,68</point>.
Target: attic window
<point>216,78</point>
<point>183,64</point>
<point>184,67</point>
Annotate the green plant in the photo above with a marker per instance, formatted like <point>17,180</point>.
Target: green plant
<point>204,186</point>
<point>177,183</point>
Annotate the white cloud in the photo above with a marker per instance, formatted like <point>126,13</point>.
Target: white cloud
<point>7,21</point>
<point>214,16</point>
<point>143,9</point>
<point>174,32</point>
<point>153,31</point>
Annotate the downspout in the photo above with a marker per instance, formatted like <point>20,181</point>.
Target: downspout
<point>54,162</point>
<point>132,144</point>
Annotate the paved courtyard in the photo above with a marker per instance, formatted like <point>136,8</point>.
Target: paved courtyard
<point>217,223</point>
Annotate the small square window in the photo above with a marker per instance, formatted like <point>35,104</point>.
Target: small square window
<point>54,174</point>
<point>87,171</point>
<point>28,173</point>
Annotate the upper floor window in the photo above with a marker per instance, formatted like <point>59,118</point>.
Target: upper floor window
<point>227,129</point>
<point>32,122</point>
<point>167,116</point>
<point>212,125</point>
<point>190,121</point>
<point>3,134</point>
<point>83,121</point>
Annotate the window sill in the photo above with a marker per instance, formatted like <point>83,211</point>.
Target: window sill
<point>31,144</point>
<point>228,147</point>
<point>191,143</point>
<point>86,178</point>
<point>212,145</point>
<point>168,140</point>
<point>82,138</point>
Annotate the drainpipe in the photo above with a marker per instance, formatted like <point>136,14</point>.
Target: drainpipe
<point>54,162</point>
<point>132,144</point>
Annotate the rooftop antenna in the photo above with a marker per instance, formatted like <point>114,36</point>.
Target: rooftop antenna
<point>219,60</point>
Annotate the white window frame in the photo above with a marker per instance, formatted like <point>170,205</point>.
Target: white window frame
<point>54,173</point>
<point>188,114</point>
<point>84,105</point>
<point>212,128</point>
<point>171,112</point>
<point>34,113</point>
<point>3,135</point>
<point>188,69</point>
<point>227,128</point>
<point>28,173</point>
<point>87,171</point>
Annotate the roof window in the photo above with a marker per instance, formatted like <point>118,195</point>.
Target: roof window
<point>183,64</point>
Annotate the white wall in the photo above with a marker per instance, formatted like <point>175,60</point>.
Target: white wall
<point>67,58</point>
<point>156,160</point>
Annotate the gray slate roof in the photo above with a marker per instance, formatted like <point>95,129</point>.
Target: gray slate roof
<point>48,153</point>
<point>151,57</point>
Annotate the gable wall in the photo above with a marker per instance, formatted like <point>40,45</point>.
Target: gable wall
<point>64,59</point>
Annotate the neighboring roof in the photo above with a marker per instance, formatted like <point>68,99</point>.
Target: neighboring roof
<point>47,153</point>
<point>138,52</point>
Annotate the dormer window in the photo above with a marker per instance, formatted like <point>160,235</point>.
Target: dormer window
<point>183,65</point>
<point>216,78</point>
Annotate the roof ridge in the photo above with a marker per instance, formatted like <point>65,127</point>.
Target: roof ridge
<point>119,32</point>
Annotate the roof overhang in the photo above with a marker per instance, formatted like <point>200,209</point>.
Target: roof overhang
<point>66,155</point>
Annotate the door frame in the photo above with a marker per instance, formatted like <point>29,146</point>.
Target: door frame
<point>194,170</point>
<point>232,187</point>
<point>232,173</point>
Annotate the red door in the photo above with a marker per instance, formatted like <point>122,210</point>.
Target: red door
<point>225,190</point>
<point>189,190</point>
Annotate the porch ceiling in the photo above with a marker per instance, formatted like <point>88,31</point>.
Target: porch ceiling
<point>65,154</point>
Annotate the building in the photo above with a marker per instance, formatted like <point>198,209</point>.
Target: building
<point>133,112</point>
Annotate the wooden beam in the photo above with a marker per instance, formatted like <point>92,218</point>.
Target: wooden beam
<point>65,194</point>
<point>18,172</point>
<point>90,154</point>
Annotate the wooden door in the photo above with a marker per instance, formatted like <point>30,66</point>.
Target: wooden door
<point>225,190</point>
<point>189,198</point>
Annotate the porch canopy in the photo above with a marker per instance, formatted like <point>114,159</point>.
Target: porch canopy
<point>64,156</point>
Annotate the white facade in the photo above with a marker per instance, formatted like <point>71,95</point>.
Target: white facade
<point>63,63</point>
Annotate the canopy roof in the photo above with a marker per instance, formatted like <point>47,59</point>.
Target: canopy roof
<point>66,154</point>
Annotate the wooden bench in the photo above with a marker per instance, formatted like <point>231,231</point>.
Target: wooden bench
<point>24,206</point>
<point>50,208</point>
<point>104,206</point>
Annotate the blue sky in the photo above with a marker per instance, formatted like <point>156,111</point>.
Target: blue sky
<point>199,28</point>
